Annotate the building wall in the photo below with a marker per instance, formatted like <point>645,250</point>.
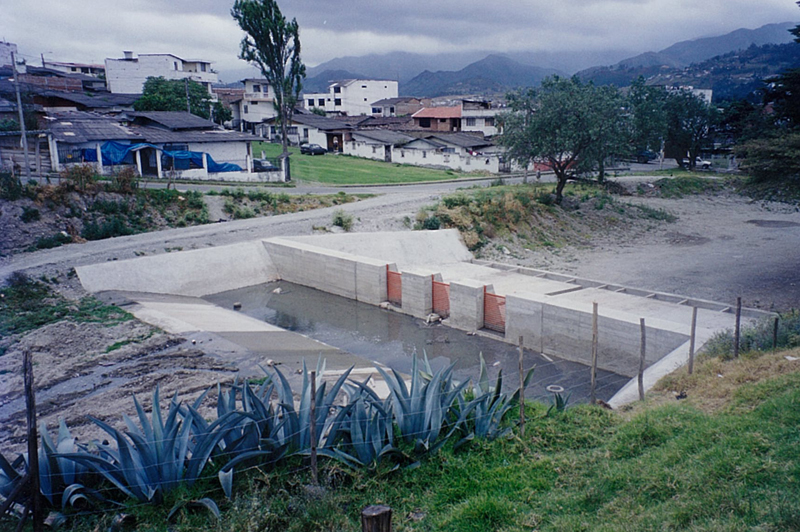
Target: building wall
<point>477,121</point>
<point>354,99</point>
<point>453,161</point>
<point>359,148</point>
<point>127,76</point>
<point>6,48</point>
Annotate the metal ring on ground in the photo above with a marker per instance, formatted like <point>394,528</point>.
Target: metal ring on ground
<point>554,388</point>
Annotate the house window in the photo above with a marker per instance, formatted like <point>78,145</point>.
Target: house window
<point>272,131</point>
<point>253,103</point>
<point>175,64</point>
<point>245,110</point>
<point>391,110</point>
<point>202,67</point>
<point>337,90</point>
<point>291,130</point>
<point>402,153</point>
<point>424,154</point>
<point>320,102</point>
<point>176,147</point>
<point>337,101</point>
<point>449,150</point>
<point>374,149</point>
<point>311,102</point>
<point>442,120</point>
<point>305,133</point>
<point>365,99</point>
<point>376,110</point>
<point>363,86</point>
<point>489,121</point>
<point>424,122</point>
<point>256,88</point>
<point>471,122</point>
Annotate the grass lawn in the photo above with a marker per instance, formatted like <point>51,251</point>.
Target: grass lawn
<point>346,170</point>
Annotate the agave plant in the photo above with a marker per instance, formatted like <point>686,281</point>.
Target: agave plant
<point>367,432</point>
<point>426,411</point>
<point>295,432</point>
<point>489,406</point>
<point>10,477</point>
<point>152,460</point>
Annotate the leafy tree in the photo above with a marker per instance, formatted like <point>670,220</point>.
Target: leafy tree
<point>318,111</point>
<point>690,122</point>
<point>771,158</point>
<point>221,113</point>
<point>610,130</point>
<point>783,92</point>
<point>647,105</point>
<point>272,43</point>
<point>565,123</point>
<point>160,94</point>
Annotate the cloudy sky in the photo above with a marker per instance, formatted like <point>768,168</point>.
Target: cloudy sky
<point>91,30</point>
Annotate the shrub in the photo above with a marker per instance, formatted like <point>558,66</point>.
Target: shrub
<point>431,223</point>
<point>10,187</point>
<point>343,219</point>
<point>53,241</point>
<point>758,337</point>
<point>80,176</point>
<point>30,214</point>
<point>111,228</point>
<point>126,181</point>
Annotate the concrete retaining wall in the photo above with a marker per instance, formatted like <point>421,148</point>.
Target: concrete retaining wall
<point>565,331</point>
<point>466,304</point>
<point>335,272</point>
<point>196,273</point>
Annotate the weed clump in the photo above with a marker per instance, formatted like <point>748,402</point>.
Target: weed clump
<point>343,219</point>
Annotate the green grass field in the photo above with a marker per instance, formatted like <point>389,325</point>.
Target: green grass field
<point>345,170</point>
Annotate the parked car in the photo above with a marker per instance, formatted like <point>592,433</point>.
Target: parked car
<point>264,165</point>
<point>698,163</point>
<point>645,156</point>
<point>313,149</point>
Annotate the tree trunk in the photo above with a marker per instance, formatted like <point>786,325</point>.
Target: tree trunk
<point>601,171</point>
<point>285,119</point>
<point>562,177</point>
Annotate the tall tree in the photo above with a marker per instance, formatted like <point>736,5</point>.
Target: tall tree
<point>690,122</point>
<point>563,124</point>
<point>646,104</point>
<point>273,45</point>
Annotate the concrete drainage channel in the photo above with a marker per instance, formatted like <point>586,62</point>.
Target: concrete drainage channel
<point>552,313</point>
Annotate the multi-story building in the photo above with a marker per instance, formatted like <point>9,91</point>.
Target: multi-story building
<point>76,68</point>
<point>6,49</point>
<point>478,116</point>
<point>127,75</point>
<point>256,106</point>
<point>351,97</point>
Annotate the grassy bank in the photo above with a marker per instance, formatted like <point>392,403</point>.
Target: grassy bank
<point>673,466</point>
<point>346,170</point>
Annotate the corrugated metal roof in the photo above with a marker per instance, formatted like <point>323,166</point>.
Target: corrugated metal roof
<point>174,120</point>
<point>463,140</point>
<point>383,136</point>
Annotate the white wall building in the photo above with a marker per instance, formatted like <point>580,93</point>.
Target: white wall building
<point>352,97</point>
<point>256,106</point>
<point>479,116</point>
<point>6,48</point>
<point>76,68</point>
<point>127,75</point>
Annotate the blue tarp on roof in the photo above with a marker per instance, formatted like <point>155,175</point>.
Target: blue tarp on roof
<point>115,153</point>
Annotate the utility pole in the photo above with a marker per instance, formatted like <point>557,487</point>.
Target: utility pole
<point>21,118</point>
<point>186,86</point>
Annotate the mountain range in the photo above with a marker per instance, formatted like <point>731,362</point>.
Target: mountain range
<point>461,74</point>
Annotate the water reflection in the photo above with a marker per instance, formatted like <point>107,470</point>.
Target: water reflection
<point>391,338</point>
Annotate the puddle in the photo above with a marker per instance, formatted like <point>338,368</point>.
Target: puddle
<point>391,338</point>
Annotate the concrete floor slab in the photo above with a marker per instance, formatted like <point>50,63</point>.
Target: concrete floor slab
<point>504,282</point>
<point>204,316</point>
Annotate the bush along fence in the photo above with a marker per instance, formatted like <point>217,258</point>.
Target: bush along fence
<point>259,425</point>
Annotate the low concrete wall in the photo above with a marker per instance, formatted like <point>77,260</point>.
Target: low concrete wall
<point>418,292</point>
<point>565,331</point>
<point>335,272</point>
<point>188,273</point>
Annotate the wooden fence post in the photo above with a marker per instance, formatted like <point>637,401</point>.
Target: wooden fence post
<point>33,442</point>
<point>521,392</point>
<point>313,429</point>
<point>376,519</point>
<point>775,334</point>
<point>592,395</point>
<point>736,330</point>
<point>692,337</point>
<point>640,377</point>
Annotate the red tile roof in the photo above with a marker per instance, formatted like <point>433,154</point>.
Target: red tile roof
<point>438,112</point>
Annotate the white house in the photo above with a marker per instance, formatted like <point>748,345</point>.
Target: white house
<point>6,49</point>
<point>457,151</point>
<point>76,68</point>
<point>256,106</point>
<point>158,144</point>
<point>351,97</point>
<point>309,128</point>
<point>127,75</point>
<point>375,144</point>
<point>479,116</point>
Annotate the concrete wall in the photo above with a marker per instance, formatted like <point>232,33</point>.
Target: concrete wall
<point>408,249</point>
<point>335,272</point>
<point>190,273</point>
<point>418,291</point>
<point>466,304</point>
<point>565,330</point>
<point>462,163</point>
<point>128,76</point>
